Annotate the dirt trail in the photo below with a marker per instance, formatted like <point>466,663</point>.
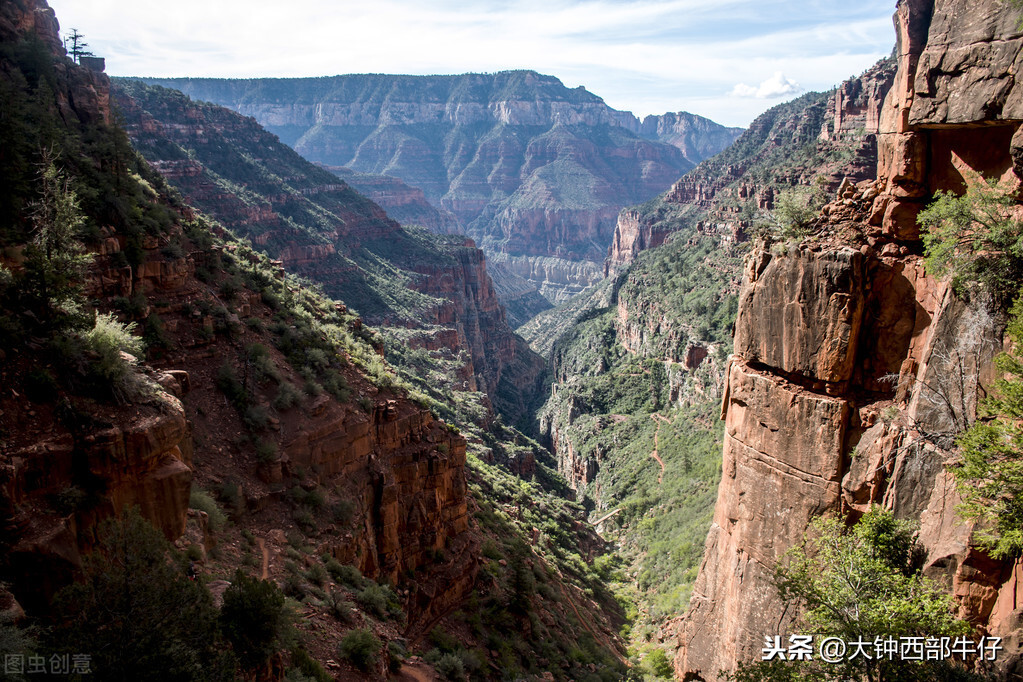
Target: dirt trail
<point>266,557</point>
<point>605,517</point>
<point>660,420</point>
<point>416,673</point>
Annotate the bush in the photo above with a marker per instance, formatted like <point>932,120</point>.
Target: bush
<point>200,500</point>
<point>287,396</point>
<point>309,666</point>
<point>396,655</point>
<point>106,343</point>
<point>451,667</point>
<point>361,647</point>
<point>380,600</point>
<point>975,238</point>
<point>254,619</point>
<point>794,210</point>
<point>228,383</point>
<point>266,451</point>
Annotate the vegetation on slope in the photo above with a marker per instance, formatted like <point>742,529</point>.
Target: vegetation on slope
<point>262,347</point>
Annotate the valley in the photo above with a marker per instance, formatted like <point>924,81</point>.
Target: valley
<point>477,378</point>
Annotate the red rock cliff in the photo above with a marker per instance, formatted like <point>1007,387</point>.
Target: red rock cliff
<point>821,325</point>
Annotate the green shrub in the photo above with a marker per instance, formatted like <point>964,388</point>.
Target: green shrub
<point>266,451</point>
<point>361,647</point>
<point>396,655</point>
<point>975,238</point>
<point>316,574</point>
<point>230,493</point>
<point>107,366</point>
<point>379,600</point>
<point>794,210</point>
<point>256,417</point>
<point>451,667</point>
<point>228,383</point>
<point>309,666</point>
<point>343,511</point>
<point>305,521</point>
<point>200,500</point>
<point>287,396</point>
<point>254,619</point>
<point>339,607</point>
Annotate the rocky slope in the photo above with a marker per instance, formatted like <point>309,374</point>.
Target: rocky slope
<point>232,169</point>
<point>821,325</point>
<point>403,203</point>
<point>402,470</point>
<point>262,400</point>
<point>533,170</point>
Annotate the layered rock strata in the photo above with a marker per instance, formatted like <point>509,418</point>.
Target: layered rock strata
<point>725,193</point>
<point>823,327</point>
<point>531,168</point>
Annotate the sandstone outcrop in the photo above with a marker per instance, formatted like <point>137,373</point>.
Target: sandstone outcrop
<point>814,423</point>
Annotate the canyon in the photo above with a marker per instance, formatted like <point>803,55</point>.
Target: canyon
<point>331,363</point>
<point>534,172</point>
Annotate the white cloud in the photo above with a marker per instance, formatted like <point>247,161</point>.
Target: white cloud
<point>775,87</point>
<point>645,56</point>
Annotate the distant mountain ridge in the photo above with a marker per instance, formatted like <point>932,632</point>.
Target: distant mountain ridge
<point>534,171</point>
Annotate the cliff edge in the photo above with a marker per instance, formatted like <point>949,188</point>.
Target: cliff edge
<point>813,421</point>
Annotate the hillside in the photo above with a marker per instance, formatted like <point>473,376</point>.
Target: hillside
<point>436,288</point>
<point>153,360</point>
<point>535,172</point>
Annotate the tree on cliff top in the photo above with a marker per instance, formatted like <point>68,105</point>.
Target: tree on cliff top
<point>976,238</point>
<point>75,45</point>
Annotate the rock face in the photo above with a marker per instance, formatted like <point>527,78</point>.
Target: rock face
<point>830,136</point>
<point>697,137</point>
<point>405,204</point>
<point>821,325</point>
<point>530,168</point>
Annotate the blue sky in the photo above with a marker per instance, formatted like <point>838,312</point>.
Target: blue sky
<point>728,60</point>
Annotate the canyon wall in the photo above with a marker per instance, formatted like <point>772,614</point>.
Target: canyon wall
<point>319,227</point>
<point>532,170</point>
<point>812,423</point>
<point>70,458</point>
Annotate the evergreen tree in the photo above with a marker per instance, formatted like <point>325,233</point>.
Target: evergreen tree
<point>137,614</point>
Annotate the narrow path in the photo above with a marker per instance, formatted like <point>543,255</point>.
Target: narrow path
<point>266,557</point>
<point>415,673</point>
<point>599,636</point>
<point>605,517</point>
<point>660,420</point>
